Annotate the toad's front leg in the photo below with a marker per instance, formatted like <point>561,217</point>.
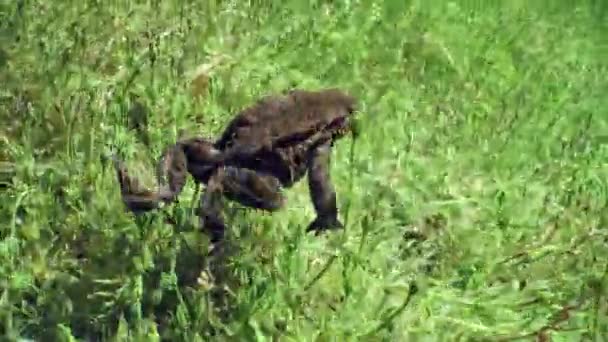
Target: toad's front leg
<point>321,189</point>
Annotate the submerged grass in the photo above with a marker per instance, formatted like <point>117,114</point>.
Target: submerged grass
<point>476,195</point>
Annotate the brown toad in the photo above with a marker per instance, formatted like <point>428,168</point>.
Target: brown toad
<point>266,147</point>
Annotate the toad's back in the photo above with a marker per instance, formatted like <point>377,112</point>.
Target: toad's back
<point>286,119</point>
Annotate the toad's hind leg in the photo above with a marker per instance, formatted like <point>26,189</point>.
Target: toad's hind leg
<point>172,171</point>
<point>241,185</point>
<point>321,189</point>
<point>252,189</point>
<point>210,209</point>
<point>137,198</point>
